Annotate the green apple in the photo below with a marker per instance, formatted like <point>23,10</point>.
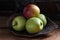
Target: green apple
<point>18,23</point>
<point>34,25</point>
<point>43,18</point>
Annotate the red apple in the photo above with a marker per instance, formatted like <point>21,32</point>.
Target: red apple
<point>31,10</point>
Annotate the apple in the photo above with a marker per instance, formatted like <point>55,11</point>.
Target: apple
<point>34,25</point>
<point>43,18</point>
<point>18,23</point>
<point>31,10</point>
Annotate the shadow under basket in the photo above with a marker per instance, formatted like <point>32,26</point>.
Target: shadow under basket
<point>47,29</point>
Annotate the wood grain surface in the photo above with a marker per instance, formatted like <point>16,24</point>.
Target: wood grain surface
<point>5,33</point>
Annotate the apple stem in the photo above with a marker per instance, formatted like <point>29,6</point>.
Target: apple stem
<point>41,23</point>
<point>15,24</point>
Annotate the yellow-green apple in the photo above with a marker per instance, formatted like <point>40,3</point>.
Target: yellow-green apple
<point>18,23</point>
<point>31,10</point>
<point>43,18</point>
<point>34,25</point>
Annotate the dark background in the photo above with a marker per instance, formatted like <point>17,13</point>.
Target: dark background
<point>50,8</point>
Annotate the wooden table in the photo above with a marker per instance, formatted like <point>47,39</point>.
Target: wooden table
<point>5,33</point>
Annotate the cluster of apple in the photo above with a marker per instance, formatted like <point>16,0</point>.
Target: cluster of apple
<point>32,20</point>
